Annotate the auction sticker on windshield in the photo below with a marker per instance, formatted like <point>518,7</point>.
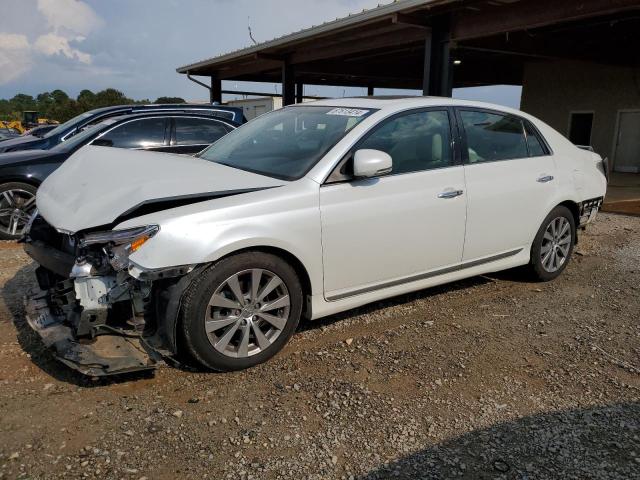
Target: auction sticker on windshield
<point>348,112</point>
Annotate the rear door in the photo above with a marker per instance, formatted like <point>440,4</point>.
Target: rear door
<point>384,231</point>
<point>510,179</point>
<point>192,134</point>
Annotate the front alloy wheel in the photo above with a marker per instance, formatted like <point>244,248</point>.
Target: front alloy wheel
<point>241,311</point>
<point>247,313</point>
<point>17,204</point>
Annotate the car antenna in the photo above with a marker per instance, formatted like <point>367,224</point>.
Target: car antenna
<point>250,32</point>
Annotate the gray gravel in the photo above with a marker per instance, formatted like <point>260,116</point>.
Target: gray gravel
<point>493,377</point>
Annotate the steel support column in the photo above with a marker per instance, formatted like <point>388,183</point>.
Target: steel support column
<point>299,92</point>
<point>288,84</point>
<point>215,92</point>
<point>437,73</point>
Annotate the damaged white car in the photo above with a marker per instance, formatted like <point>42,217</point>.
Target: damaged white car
<point>302,213</point>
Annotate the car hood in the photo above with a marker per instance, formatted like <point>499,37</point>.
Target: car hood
<point>9,159</point>
<point>99,186</point>
<point>24,143</point>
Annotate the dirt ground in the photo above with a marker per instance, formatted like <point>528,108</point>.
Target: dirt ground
<point>490,378</point>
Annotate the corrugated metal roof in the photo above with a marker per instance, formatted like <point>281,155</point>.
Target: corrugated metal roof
<point>366,15</point>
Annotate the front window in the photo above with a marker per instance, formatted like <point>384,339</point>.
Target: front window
<point>287,143</point>
<point>68,124</point>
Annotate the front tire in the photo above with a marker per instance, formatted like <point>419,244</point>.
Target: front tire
<point>553,244</point>
<point>242,311</point>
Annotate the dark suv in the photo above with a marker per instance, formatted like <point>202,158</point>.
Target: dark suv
<point>174,132</point>
<point>70,128</point>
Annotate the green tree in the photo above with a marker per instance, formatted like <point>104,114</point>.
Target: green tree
<point>169,100</point>
<point>111,96</point>
<point>86,99</point>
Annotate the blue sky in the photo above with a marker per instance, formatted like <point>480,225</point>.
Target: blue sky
<point>136,45</point>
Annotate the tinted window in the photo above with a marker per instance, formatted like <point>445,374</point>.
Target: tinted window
<point>415,141</point>
<point>147,132</point>
<point>222,114</point>
<point>285,143</point>
<point>491,136</point>
<point>536,149</point>
<point>198,131</point>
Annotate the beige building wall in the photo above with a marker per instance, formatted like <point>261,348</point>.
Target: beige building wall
<point>551,90</point>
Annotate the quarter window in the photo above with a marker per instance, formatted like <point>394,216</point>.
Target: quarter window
<point>198,131</point>
<point>536,149</point>
<point>148,132</point>
<point>415,141</point>
<point>491,136</point>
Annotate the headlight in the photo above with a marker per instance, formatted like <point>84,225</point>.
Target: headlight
<point>119,244</point>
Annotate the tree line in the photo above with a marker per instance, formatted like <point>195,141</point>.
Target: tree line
<point>57,105</point>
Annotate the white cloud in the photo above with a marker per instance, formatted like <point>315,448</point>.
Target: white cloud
<point>15,56</point>
<point>69,17</point>
<point>53,44</point>
<point>68,21</point>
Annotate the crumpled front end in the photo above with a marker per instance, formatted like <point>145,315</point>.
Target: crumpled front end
<point>99,313</point>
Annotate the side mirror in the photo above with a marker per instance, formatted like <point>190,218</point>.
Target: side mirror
<point>371,163</point>
<point>102,142</point>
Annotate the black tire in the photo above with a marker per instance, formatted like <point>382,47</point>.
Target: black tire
<point>536,268</point>
<point>4,221</point>
<point>196,306</point>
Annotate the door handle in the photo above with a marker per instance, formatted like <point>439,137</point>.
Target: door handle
<point>450,194</point>
<point>545,178</point>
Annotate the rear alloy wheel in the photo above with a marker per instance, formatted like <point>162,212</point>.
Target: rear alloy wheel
<point>242,311</point>
<point>17,204</point>
<point>553,244</point>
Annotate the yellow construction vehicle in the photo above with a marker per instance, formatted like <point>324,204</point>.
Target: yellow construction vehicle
<point>29,120</point>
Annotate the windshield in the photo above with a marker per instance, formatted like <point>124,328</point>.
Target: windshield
<point>83,137</point>
<point>69,123</point>
<point>286,143</point>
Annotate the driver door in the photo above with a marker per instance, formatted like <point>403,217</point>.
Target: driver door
<point>381,232</point>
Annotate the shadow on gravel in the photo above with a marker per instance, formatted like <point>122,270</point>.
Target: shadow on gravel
<point>595,443</point>
<point>13,294</point>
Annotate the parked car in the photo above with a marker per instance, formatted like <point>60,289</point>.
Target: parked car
<point>301,213</point>
<point>77,124</point>
<point>21,172</point>
<point>40,130</point>
<point>7,133</point>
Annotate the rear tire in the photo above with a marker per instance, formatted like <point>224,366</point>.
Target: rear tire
<point>242,311</point>
<point>17,203</point>
<point>553,245</point>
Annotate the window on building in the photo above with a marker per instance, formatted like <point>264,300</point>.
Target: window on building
<point>493,136</point>
<point>580,125</point>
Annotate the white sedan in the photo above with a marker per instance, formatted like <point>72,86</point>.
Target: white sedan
<point>304,212</point>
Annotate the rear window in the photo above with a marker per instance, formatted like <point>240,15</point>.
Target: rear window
<point>493,136</point>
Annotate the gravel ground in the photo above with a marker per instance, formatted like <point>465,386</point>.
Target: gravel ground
<point>490,378</point>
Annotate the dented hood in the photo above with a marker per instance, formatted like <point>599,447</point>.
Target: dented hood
<point>99,185</point>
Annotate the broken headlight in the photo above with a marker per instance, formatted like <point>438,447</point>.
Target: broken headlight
<point>119,244</point>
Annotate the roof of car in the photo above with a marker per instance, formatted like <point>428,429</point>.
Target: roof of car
<point>143,114</point>
<point>395,102</point>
